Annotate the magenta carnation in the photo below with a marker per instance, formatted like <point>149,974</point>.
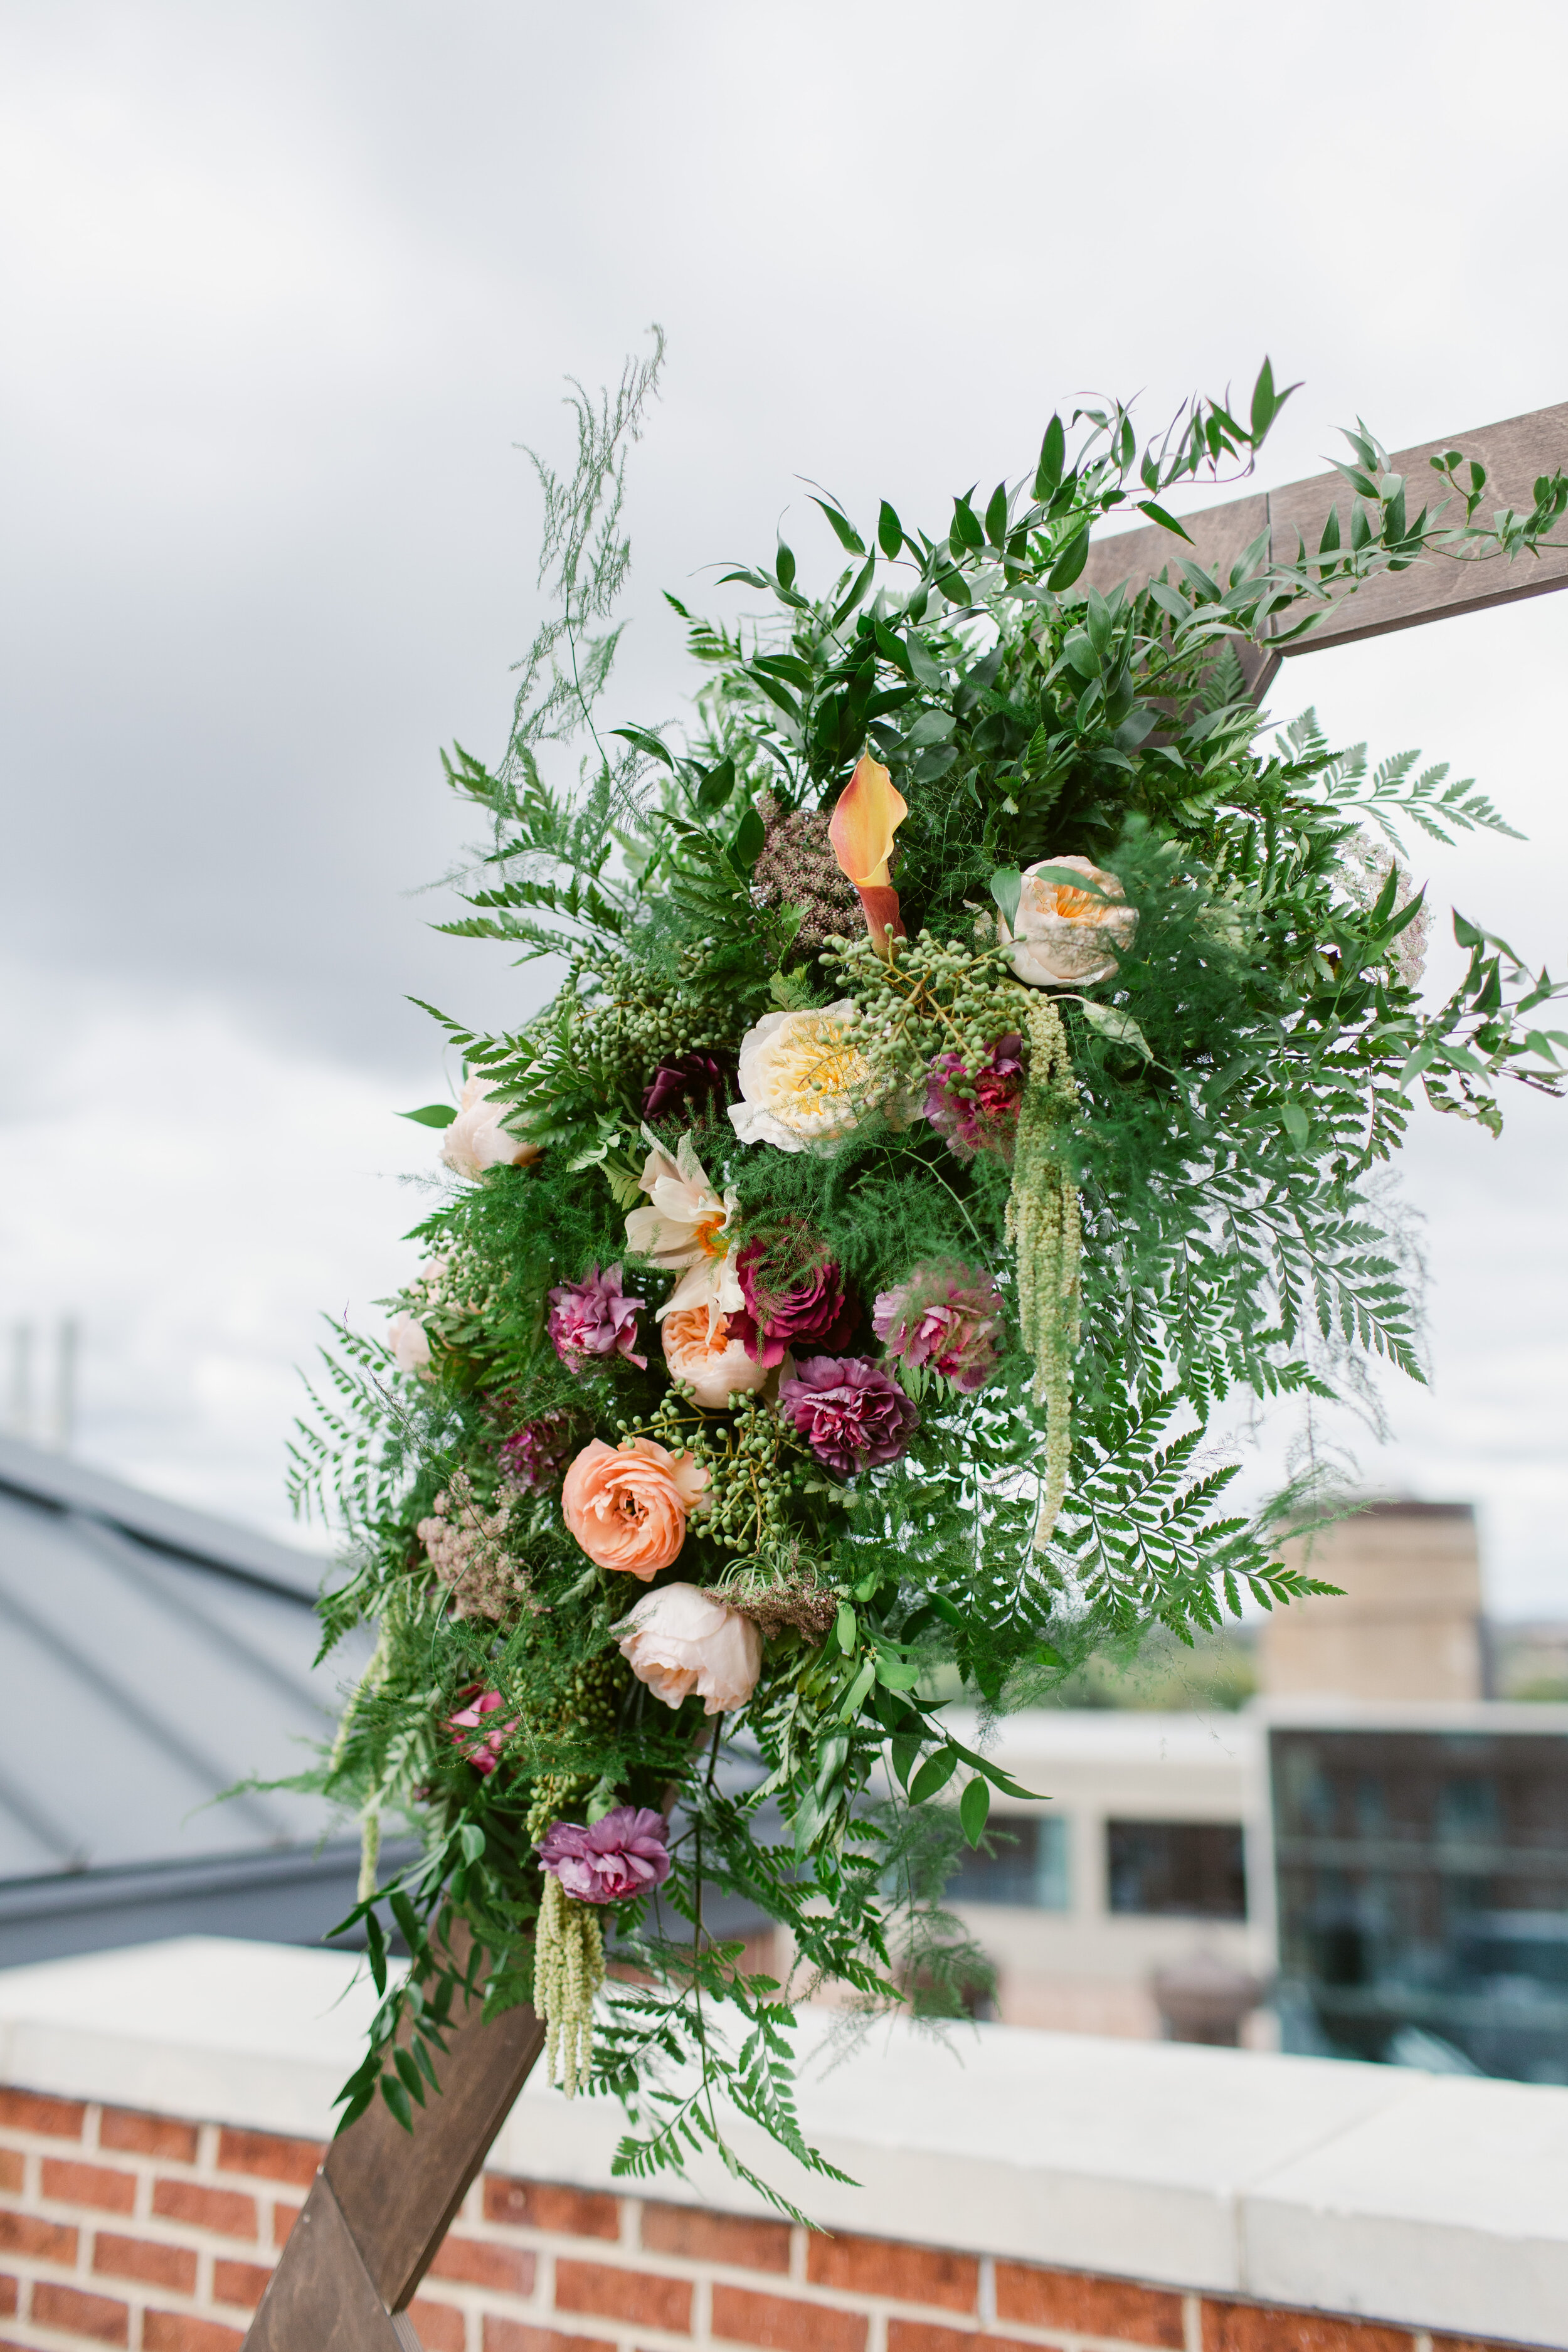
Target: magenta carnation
<point>536,1455</point>
<point>696,1084</point>
<point>594,1318</point>
<point>793,1293</point>
<point>977,1110</point>
<point>483,1752</point>
<point>625,1853</point>
<point>944,1316</point>
<point>850,1415</point>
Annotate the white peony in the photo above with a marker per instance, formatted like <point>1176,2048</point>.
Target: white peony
<point>1063,934</point>
<point>680,1640</point>
<point>805,1084</point>
<point>476,1139</point>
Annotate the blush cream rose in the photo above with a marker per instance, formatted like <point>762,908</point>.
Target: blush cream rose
<point>476,1139</point>
<point>804,1084</point>
<point>1067,938</point>
<point>713,1361</point>
<point>679,1640</point>
<point>627,1504</point>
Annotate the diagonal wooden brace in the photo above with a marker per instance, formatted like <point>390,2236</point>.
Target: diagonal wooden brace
<point>382,2202</point>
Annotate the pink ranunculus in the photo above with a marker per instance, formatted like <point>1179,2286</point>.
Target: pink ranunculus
<point>625,1853</point>
<point>850,1413</point>
<point>483,1752</point>
<point>593,1319</point>
<point>535,1456</point>
<point>794,1292</point>
<point>944,1316</point>
<point>977,1110</point>
<point>680,1642</point>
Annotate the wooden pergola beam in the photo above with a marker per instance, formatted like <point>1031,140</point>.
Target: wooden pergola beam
<point>1515,454</point>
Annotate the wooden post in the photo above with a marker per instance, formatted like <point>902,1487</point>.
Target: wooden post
<point>382,2204</point>
<point>383,2201</point>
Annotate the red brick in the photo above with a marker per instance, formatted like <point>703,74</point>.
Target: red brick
<point>1469,2343</point>
<point>783,2324</point>
<point>8,2299</point>
<point>47,2241</point>
<point>517,2335</point>
<point>1092,2306</point>
<point>138,2134</point>
<point>1260,2327</point>
<point>923,2335</point>
<point>283,2219</point>
<point>11,2170</point>
<point>142,2258</point>
<point>74,2314</point>
<point>545,2205</point>
<point>634,2296</point>
<point>270,2157</point>
<point>206,2208</point>
<point>441,2327</point>
<point>905,2273</point>
<point>178,2331</point>
<point>715,2238</point>
<point>241,2283</point>
<point>88,2184</point>
<point>479,2264</point>
<point>30,2111</point>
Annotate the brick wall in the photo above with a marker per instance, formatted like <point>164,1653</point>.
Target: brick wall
<point>157,2234</point>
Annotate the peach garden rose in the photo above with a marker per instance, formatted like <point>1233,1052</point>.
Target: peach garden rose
<point>714,1361</point>
<point>1067,938</point>
<point>627,1504</point>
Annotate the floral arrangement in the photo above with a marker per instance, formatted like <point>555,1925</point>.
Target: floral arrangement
<point>972,1057</point>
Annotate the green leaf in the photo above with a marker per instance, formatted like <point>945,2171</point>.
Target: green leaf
<point>848,1630</point>
<point>997,516</point>
<point>855,1697</point>
<point>889,532</point>
<point>431,1115</point>
<point>848,536</point>
<point>472,1838</point>
<point>894,1673</point>
<point>1070,563</point>
<point>1007,889</point>
<point>974,1808</point>
<point>396,2098</point>
<point>1166,522</point>
<point>784,564</point>
<point>1293,1118</point>
<point>375,1952</point>
<point>409,2073</point>
<point>717,785</point>
<point>1112,1022</point>
<point>750,836</point>
<point>645,742</point>
<point>1053,458</point>
<point>1466,933</point>
<point>934,1774</point>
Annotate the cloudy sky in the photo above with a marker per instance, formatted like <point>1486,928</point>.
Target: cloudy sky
<point>284,286</point>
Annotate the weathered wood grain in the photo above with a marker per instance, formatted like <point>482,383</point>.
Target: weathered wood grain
<point>1437,588</point>
<point>321,2297</point>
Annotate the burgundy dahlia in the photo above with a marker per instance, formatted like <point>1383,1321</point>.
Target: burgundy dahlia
<point>850,1413</point>
<point>977,1110</point>
<point>594,1318</point>
<point>794,1292</point>
<point>697,1085</point>
<point>535,1456</point>
<point>944,1316</point>
<point>625,1853</point>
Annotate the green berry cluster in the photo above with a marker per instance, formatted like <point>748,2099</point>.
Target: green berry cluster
<point>932,996</point>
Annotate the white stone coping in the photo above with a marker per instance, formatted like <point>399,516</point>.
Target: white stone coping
<point>1435,2202</point>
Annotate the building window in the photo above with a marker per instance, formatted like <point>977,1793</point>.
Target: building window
<point>1028,1864</point>
<point>1177,1870</point>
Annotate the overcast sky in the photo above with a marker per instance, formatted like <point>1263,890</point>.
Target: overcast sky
<point>283,288</point>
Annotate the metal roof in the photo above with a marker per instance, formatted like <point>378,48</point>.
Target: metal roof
<point>150,1657</point>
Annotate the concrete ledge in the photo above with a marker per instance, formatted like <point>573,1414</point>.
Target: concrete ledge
<point>1432,2202</point>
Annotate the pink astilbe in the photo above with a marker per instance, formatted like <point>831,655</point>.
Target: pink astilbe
<point>977,1110</point>
<point>944,1316</point>
<point>625,1853</point>
<point>594,1318</point>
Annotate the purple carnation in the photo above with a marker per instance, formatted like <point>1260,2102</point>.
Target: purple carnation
<point>594,1318</point>
<point>977,1110</point>
<point>536,1455</point>
<point>944,1316</point>
<point>696,1083</point>
<point>625,1853</point>
<point>851,1414</point>
<point>793,1291</point>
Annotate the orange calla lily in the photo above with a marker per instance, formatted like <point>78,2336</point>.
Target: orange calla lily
<point>869,813</point>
